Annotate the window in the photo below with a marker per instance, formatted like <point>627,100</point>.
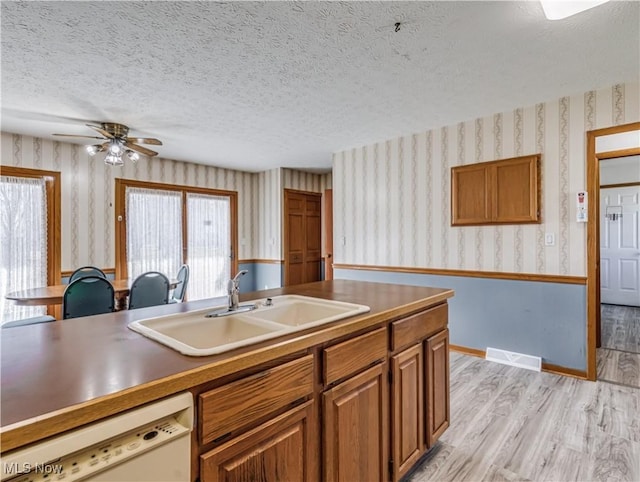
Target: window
<point>161,226</point>
<point>153,215</point>
<point>29,237</point>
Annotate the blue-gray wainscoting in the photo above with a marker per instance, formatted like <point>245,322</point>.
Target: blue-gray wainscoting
<point>260,276</point>
<point>532,317</point>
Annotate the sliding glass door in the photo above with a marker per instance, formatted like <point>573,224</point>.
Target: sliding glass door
<point>160,227</point>
<point>208,244</point>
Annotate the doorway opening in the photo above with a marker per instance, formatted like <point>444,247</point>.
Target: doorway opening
<point>601,271</point>
<point>618,349</point>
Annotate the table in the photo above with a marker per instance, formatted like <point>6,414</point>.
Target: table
<point>52,295</point>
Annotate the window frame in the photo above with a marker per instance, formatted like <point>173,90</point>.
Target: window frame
<point>121,185</point>
<point>53,195</point>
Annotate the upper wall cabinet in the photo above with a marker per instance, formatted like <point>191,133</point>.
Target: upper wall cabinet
<point>496,192</point>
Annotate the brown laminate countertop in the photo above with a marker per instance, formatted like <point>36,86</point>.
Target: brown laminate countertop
<point>61,375</point>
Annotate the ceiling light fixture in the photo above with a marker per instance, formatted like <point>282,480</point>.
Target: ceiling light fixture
<point>115,150</point>
<point>117,143</point>
<point>559,9</point>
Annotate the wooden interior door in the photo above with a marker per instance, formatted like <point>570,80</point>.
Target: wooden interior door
<point>302,237</point>
<point>327,210</point>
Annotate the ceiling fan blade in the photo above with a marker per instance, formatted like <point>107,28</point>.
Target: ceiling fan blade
<point>73,135</point>
<point>145,140</point>
<point>140,149</point>
<point>107,134</point>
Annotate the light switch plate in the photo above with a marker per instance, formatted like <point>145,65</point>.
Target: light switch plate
<point>549,239</point>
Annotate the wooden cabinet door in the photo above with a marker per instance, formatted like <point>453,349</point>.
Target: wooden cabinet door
<point>437,378</point>
<point>407,409</point>
<point>515,196</point>
<point>497,192</point>
<point>356,428</point>
<point>470,195</point>
<point>281,449</point>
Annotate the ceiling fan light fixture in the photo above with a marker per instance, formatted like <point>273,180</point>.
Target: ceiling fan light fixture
<point>113,160</point>
<point>116,143</point>
<point>115,146</point>
<point>132,155</point>
<point>559,9</point>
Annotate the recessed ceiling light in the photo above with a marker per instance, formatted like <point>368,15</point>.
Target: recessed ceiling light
<point>559,9</point>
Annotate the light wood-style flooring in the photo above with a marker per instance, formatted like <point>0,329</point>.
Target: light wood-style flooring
<point>512,424</point>
<point>619,357</point>
<point>620,327</point>
<point>620,367</point>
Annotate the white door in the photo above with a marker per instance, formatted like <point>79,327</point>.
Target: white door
<point>619,246</point>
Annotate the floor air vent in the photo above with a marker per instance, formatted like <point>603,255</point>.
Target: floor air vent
<point>514,359</point>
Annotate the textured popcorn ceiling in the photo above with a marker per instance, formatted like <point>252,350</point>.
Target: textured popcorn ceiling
<point>258,85</point>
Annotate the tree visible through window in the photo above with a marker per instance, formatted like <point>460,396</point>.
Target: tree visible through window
<point>29,249</point>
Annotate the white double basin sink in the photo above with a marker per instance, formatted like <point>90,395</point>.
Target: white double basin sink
<point>195,334</point>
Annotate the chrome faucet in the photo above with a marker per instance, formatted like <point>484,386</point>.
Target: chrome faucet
<point>233,290</point>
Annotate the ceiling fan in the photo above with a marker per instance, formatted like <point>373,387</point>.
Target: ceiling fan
<point>117,143</point>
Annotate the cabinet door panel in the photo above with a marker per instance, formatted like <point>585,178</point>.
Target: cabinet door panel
<point>497,192</point>
<point>356,428</point>
<point>516,197</point>
<point>437,370</point>
<point>407,409</point>
<point>279,450</point>
<point>470,195</point>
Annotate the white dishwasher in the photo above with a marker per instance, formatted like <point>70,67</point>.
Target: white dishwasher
<point>147,444</point>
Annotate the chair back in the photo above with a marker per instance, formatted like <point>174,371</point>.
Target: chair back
<point>86,271</point>
<point>149,289</point>
<point>86,296</point>
<point>28,321</point>
<point>183,278</point>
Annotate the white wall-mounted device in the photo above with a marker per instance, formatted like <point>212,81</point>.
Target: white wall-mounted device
<point>582,206</point>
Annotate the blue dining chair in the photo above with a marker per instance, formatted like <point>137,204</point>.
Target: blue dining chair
<point>86,296</point>
<point>86,271</point>
<point>183,279</point>
<point>149,289</point>
<point>28,321</point>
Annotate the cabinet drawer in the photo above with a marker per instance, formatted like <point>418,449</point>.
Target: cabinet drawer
<point>421,325</point>
<point>345,358</point>
<point>240,403</point>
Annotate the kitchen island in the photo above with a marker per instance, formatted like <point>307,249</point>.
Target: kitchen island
<point>387,370</point>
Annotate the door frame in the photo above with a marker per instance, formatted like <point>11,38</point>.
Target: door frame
<point>593,234</point>
<point>120,219</point>
<point>327,233</point>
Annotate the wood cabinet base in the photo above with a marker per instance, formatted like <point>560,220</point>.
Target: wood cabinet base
<point>281,449</point>
<point>364,407</point>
